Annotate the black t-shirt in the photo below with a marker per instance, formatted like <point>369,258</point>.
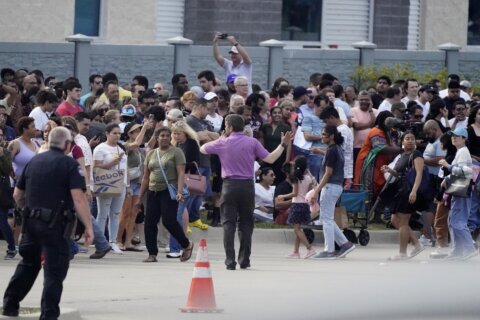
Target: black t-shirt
<point>192,154</point>
<point>48,179</point>
<point>334,159</point>
<point>201,125</point>
<point>473,142</point>
<point>406,161</point>
<point>283,188</point>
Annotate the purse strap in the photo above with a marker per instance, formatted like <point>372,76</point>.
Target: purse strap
<point>161,167</point>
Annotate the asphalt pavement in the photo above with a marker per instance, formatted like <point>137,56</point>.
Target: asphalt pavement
<point>364,285</point>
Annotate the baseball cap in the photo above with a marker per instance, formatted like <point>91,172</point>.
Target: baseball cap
<point>175,114</point>
<point>460,132</point>
<point>427,88</point>
<point>299,91</point>
<point>465,84</point>
<point>231,77</point>
<point>233,50</point>
<point>210,95</point>
<point>400,106</point>
<point>128,111</point>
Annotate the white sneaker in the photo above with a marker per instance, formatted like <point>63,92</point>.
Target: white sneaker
<point>440,253</point>
<point>115,248</point>
<point>425,241</point>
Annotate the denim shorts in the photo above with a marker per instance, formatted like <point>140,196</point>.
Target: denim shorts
<point>135,188</point>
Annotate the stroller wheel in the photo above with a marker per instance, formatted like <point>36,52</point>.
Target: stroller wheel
<point>309,234</point>
<point>364,237</point>
<point>350,235</point>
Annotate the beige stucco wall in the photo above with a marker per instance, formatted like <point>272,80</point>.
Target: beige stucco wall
<point>36,20</point>
<point>443,21</point>
<point>129,22</point>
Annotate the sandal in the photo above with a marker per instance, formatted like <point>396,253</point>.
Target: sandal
<point>187,252</point>
<point>151,258</point>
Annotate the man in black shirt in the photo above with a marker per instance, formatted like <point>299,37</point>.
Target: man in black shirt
<point>50,188</point>
<point>383,83</point>
<point>452,97</point>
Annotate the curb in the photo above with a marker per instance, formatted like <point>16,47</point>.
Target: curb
<point>286,236</point>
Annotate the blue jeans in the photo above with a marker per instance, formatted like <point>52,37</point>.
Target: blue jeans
<point>462,242</point>
<point>474,217</point>
<point>110,207</point>
<point>6,230</point>
<point>315,164</point>
<point>174,245</point>
<point>300,152</point>
<point>331,232</point>
<point>99,240</point>
<point>196,201</point>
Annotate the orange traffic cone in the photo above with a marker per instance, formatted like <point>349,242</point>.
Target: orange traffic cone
<point>201,297</point>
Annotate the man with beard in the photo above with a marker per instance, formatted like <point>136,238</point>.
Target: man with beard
<point>383,83</point>
<point>207,81</point>
<point>363,119</point>
<point>179,85</point>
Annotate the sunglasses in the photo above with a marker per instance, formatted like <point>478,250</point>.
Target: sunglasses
<point>149,103</point>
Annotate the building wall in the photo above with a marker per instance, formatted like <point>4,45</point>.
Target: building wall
<point>129,22</point>
<point>390,28</point>
<point>444,21</point>
<point>250,21</point>
<point>33,20</point>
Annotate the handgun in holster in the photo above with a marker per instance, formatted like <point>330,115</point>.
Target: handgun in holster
<point>69,217</point>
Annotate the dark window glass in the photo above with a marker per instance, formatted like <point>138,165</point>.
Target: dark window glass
<point>87,17</point>
<point>473,38</point>
<point>302,20</point>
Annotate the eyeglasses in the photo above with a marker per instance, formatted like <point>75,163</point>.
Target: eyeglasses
<point>311,97</point>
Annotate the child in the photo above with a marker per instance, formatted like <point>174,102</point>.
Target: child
<point>299,212</point>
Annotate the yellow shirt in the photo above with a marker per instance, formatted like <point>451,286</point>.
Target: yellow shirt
<point>122,93</point>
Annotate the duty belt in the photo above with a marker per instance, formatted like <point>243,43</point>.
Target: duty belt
<point>43,214</point>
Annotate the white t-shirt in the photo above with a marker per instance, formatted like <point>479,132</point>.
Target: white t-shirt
<point>347,147</point>
<point>242,69</point>
<point>40,117</point>
<point>460,124</point>
<point>105,153</point>
<point>264,197</point>
<point>463,94</point>
<point>216,121</point>
<point>385,106</point>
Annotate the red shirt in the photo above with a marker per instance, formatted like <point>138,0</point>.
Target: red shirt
<point>66,109</point>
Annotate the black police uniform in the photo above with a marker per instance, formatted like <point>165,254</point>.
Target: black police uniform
<point>47,181</point>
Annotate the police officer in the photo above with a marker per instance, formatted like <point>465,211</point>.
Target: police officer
<point>50,187</point>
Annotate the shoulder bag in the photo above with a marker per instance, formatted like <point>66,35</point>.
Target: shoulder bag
<point>411,174</point>
<point>458,186</point>
<point>172,189</point>
<point>196,183</point>
<point>108,182</point>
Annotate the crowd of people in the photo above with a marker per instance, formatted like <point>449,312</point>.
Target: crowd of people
<point>314,141</point>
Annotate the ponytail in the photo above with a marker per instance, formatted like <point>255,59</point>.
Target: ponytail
<point>337,136</point>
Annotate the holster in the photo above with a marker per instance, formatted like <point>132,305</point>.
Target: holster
<point>69,217</point>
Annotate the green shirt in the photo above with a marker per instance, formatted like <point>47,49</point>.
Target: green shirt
<point>170,159</point>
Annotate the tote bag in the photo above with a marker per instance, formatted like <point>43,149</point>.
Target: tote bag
<point>108,182</point>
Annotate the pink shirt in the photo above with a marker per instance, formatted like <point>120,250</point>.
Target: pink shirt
<point>66,109</point>
<point>361,117</point>
<point>237,154</point>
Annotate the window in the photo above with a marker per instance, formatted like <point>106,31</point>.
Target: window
<point>473,35</point>
<point>87,17</point>
<point>302,20</point>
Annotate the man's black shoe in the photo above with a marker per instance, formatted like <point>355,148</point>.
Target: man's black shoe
<point>245,266</point>
<point>99,254</point>
<point>231,267</point>
<point>10,313</point>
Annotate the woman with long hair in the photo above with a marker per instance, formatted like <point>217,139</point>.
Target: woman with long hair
<point>438,111</point>
<point>271,137</point>
<point>159,202</point>
<point>407,200</point>
<point>185,138</point>
<point>135,134</point>
<point>109,155</point>
<point>330,189</point>
<point>279,82</point>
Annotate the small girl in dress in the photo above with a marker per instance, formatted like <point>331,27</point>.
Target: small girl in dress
<point>299,212</point>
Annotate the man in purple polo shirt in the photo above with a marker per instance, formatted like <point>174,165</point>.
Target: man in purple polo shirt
<point>237,153</point>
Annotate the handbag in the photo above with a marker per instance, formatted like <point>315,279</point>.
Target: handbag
<point>6,194</point>
<point>172,190</point>
<point>411,174</point>
<point>459,186</point>
<point>108,182</point>
<point>134,173</point>
<point>196,183</point>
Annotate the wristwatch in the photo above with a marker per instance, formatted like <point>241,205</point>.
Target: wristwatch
<point>284,145</point>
